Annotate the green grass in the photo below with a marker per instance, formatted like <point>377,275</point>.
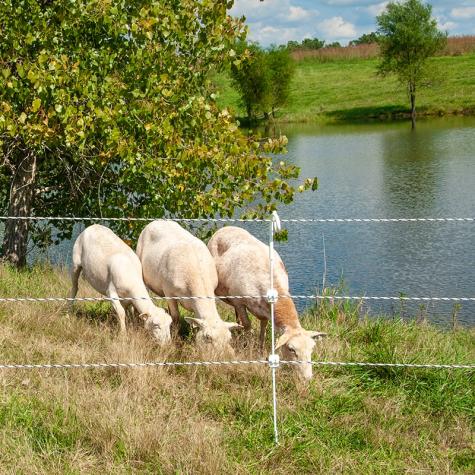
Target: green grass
<point>351,90</point>
<point>218,420</point>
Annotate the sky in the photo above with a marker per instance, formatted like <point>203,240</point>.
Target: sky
<point>278,21</point>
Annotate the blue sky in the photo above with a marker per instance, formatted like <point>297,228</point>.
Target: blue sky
<point>278,21</point>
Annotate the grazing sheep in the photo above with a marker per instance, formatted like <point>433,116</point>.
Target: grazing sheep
<point>242,262</point>
<point>114,270</point>
<point>177,264</point>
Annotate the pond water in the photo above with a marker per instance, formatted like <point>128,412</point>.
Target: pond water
<point>380,171</point>
<point>386,171</point>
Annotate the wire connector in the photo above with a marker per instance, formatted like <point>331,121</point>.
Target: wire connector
<point>272,295</point>
<point>274,360</point>
<point>276,222</point>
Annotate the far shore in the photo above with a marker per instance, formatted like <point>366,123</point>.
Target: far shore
<point>344,91</point>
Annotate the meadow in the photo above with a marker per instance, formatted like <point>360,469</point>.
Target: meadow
<point>218,420</point>
<point>350,90</point>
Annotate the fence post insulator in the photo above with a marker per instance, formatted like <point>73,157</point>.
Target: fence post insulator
<point>274,360</point>
<point>276,222</point>
<point>272,295</point>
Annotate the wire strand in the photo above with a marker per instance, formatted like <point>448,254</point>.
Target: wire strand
<point>219,297</point>
<point>153,364</point>
<point>243,220</point>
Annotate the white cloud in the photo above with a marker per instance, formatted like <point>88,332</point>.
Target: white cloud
<point>463,12</point>
<point>266,34</point>
<point>337,27</point>
<point>276,21</point>
<point>297,13</point>
<point>336,20</point>
<point>377,9</point>
<point>445,24</point>
<point>272,9</point>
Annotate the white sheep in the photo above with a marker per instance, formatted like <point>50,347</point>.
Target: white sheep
<point>242,262</point>
<point>177,264</point>
<point>112,268</point>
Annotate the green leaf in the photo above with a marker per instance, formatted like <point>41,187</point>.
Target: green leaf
<point>36,104</point>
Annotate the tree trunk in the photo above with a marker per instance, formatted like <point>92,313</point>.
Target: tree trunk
<point>20,203</point>
<point>413,108</point>
<point>249,112</point>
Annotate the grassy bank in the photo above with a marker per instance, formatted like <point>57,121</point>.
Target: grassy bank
<point>350,90</point>
<point>217,420</point>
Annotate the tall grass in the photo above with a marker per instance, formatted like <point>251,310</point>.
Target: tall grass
<point>218,420</point>
<point>456,45</point>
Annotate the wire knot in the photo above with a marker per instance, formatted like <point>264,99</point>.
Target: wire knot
<point>274,360</point>
<point>272,295</point>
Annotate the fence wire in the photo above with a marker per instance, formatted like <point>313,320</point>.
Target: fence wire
<point>157,364</point>
<point>223,297</point>
<point>240,220</point>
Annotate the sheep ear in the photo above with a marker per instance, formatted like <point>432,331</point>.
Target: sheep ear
<point>233,326</point>
<point>315,335</point>
<point>195,322</point>
<point>283,340</point>
<point>144,316</point>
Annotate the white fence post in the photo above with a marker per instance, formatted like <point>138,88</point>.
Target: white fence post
<point>272,297</point>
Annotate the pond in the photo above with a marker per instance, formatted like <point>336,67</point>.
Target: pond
<point>379,171</point>
<point>386,171</point>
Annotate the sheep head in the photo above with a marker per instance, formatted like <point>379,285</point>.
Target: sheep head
<point>213,335</point>
<point>297,345</point>
<point>158,322</point>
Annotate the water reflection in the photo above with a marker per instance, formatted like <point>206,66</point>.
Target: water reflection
<point>385,170</point>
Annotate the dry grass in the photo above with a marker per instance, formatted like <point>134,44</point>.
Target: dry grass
<point>218,420</point>
<point>367,51</point>
<point>456,45</point>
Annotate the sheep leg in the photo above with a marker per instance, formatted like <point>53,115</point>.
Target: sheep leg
<point>262,334</point>
<point>174,312</point>
<point>243,318</point>
<point>130,312</point>
<point>119,309</point>
<point>74,280</point>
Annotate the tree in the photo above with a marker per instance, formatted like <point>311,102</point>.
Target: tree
<point>365,39</point>
<point>252,78</point>
<point>312,43</point>
<point>263,78</point>
<point>292,45</point>
<point>408,38</point>
<point>106,107</point>
<point>282,68</point>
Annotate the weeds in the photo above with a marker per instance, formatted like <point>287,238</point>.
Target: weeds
<point>456,46</point>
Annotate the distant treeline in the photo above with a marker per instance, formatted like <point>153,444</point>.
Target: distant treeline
<point>366,47</point>
<point>316,44</point>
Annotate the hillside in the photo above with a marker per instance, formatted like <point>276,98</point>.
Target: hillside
<point>325,92</point>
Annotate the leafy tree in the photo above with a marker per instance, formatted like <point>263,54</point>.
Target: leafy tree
<point>292,45</point>
<point>282,68</point>
<point>312,43</point>
<point>106,107</point>
<point>409,37</point>
<point>262,78</point>
<point>365,39</point>
<point>335,44</point>
<point>252,79</point>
